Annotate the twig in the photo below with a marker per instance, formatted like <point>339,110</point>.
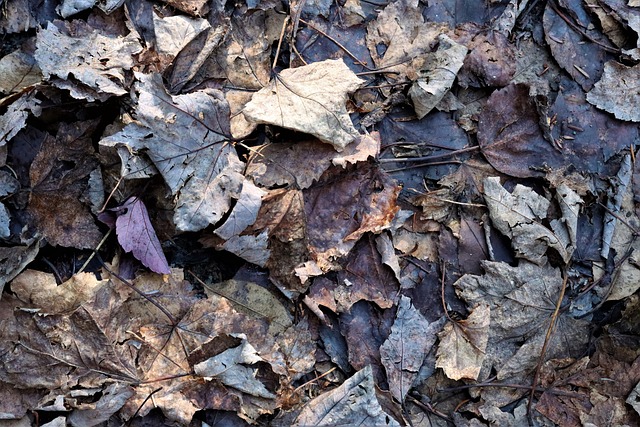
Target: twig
<point>430,158</point>
<point>428,408</point>
<point>517,386</point>
<point>93,253</point>
<point>547,339</point>
<point>337,43</point>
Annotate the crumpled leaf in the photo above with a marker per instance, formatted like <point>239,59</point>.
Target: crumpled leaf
<point>463,343</point>
<point>437,75</point>
<point>94,60</point>
<point>136,235</point>
<point>244,212</point>
<point>407,38</point>
<point>403,353</point>
<point>309,99</point>
<point>231,368</point>
<point>353,403</point>
<point>519,215</point>
<point>616,91</point>
<point>111,400</point>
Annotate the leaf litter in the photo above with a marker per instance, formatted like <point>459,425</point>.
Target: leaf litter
<point>390,214</point>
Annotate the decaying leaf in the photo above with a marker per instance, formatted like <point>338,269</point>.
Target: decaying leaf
<point>463,344</point>
<point>353,403</point>
<point>519,215</point>
<point>187,145</point>
<point>232,368</point>
<point>437,75</point>
<point>521,300</point>
<point>309,99</point>
<point>92,59</point>
<point>616,91</point>
<point>403,353</point>
<point>407,38</point>
<point>136,235</point>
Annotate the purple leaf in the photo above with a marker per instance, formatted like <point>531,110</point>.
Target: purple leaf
<point>136,235</point>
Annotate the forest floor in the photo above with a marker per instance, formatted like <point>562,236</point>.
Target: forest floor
<point>318,213</point>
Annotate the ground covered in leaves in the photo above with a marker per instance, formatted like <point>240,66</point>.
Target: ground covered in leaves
<point>319,213</point>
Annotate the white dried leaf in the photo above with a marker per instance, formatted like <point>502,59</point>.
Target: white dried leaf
<point>310,99</point>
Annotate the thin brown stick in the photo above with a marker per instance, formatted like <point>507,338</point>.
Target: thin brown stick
<point>547,339</point>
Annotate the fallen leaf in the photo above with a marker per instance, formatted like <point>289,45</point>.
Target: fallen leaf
<point>437,75</point>
<point>463,344</point>
<point>353,403</point>
<point>94,60</point>
<point>245,211</point>
<point>491,60</point>
<point>136,235</point>
<point>188,148</point>
<point>254,301</point>
<point>59,175</point>
<point>615,93</point>
<point>175,32</point>
<point>521,300</point>
<point>583,61</point>
<point>519,216</point>
<point>403,353</point>
<point>41,290</point>
<point>111,399</point>
<point>309,99</point>
<point>232,368</point>
<point>19,70</point>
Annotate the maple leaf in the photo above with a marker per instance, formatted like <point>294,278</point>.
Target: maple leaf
<point>136,235</point>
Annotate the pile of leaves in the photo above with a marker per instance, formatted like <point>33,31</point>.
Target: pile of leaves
<point>319,213</point>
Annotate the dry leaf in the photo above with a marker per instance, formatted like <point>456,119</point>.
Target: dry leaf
<point>309,99</point>
<point>353,403</point>
<point>403,353</point>
<point>616,91</point>
<point>463,343</point>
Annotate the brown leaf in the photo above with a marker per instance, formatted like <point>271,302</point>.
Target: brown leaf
<point>462,345</point>
<point>365,277</point>
<point>59,176</point>
<point>491,60</point>
<point>583,60</point>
